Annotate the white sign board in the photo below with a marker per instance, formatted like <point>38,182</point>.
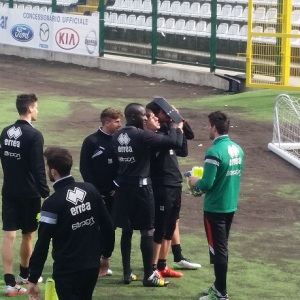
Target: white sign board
<point>67,33</point>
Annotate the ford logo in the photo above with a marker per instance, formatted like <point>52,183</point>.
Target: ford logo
<point>22,33</point>
<point>67,38</point>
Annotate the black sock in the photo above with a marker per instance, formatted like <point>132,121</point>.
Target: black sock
<point>126,251</point>
<point>24,272</point>
<point>161,264</point>
<point>147,254</point>
<point>176,250</point>
<point>9,279</point>
<point>154,267</point>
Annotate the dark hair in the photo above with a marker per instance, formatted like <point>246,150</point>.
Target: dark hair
<point>110,113</point>
<point>59,159</point>
<point>148,112</point>
<point>155,108</point>
<point>24,101</point>
<point>220,121</point>
<point>131,109</point>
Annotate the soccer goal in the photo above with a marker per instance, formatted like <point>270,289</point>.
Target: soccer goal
<point>286,129</point>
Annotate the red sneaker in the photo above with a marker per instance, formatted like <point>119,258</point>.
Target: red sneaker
<point>167,272</point>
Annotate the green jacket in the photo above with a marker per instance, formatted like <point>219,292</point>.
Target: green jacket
<point>223,167</point>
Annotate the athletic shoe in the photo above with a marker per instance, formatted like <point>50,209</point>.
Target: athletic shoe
<point>155,280</point>
<point>11,291</point>
<point>109,272</point>
<point>185,264</point>
<point>213,296</point>
<point>20,280</point>
<point>129,278</point>
<point>167,272</point>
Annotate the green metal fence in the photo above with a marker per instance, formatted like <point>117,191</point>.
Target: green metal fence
<point>210,49</point>
<point>195,37</point>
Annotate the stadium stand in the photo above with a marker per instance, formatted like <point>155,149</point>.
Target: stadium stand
<point>195,9</point>
<point>233,32</point>
<point>182,23</point>
<point>271,15</point>
<point>165,7</point>
<point>190,28</point>
<point>141,23</point>
<point>185,9</point>
<point>175,8</point>
<point>296,17</point>
<point>259,14</point>
<point>225,12</point>
<point>237,12</point>
<point>295,42</point>
<point>205,10</point>
<point>131,22</point>
<point>222,30</point>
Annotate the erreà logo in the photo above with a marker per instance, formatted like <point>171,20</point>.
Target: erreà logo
<point>123,139</point>
<point>233,151</point>
<point>14,132</point>
<point>67,38</point>
<point>76,195</point>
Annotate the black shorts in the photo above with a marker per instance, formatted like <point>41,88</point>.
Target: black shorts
<point>217,228</point>
<point>76,286</point>
<point>167,208</point>
<point>134,207</point>
<point>20,213</point>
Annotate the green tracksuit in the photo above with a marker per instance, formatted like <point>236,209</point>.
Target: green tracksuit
<point>223,167</point>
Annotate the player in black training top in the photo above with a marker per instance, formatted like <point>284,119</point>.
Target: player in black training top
<point>167,187</point>
<point>134,196</point>
<point>24,183</point>
<point>98,160</point>
<point>73,217</point>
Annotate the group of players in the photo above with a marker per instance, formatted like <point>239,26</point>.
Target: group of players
<point>131,181</point>
<point>155,172</point>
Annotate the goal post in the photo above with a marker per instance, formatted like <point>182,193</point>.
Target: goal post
<point>286,129</point>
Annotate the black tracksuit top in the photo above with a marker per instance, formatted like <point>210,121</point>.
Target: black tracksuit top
<point>98,161</point>
<point>132,146</point>
<point>73,217</point>
<point>22,161</point>
<point>164,164</point>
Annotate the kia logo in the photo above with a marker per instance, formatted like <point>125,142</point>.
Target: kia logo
<point>22,33</point>
<point>91,42</point>
<point>67,38</point>
<point>44,32</point>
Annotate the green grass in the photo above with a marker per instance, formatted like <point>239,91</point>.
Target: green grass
<point>253,105</point>
<point>256,271</point>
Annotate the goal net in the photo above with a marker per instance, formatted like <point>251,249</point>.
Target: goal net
<point>286,129</point>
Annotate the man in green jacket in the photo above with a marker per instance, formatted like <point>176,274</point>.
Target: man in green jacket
<point>221,180</point>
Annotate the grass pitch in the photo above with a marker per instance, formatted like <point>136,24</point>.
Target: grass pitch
<point>262,277</point>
